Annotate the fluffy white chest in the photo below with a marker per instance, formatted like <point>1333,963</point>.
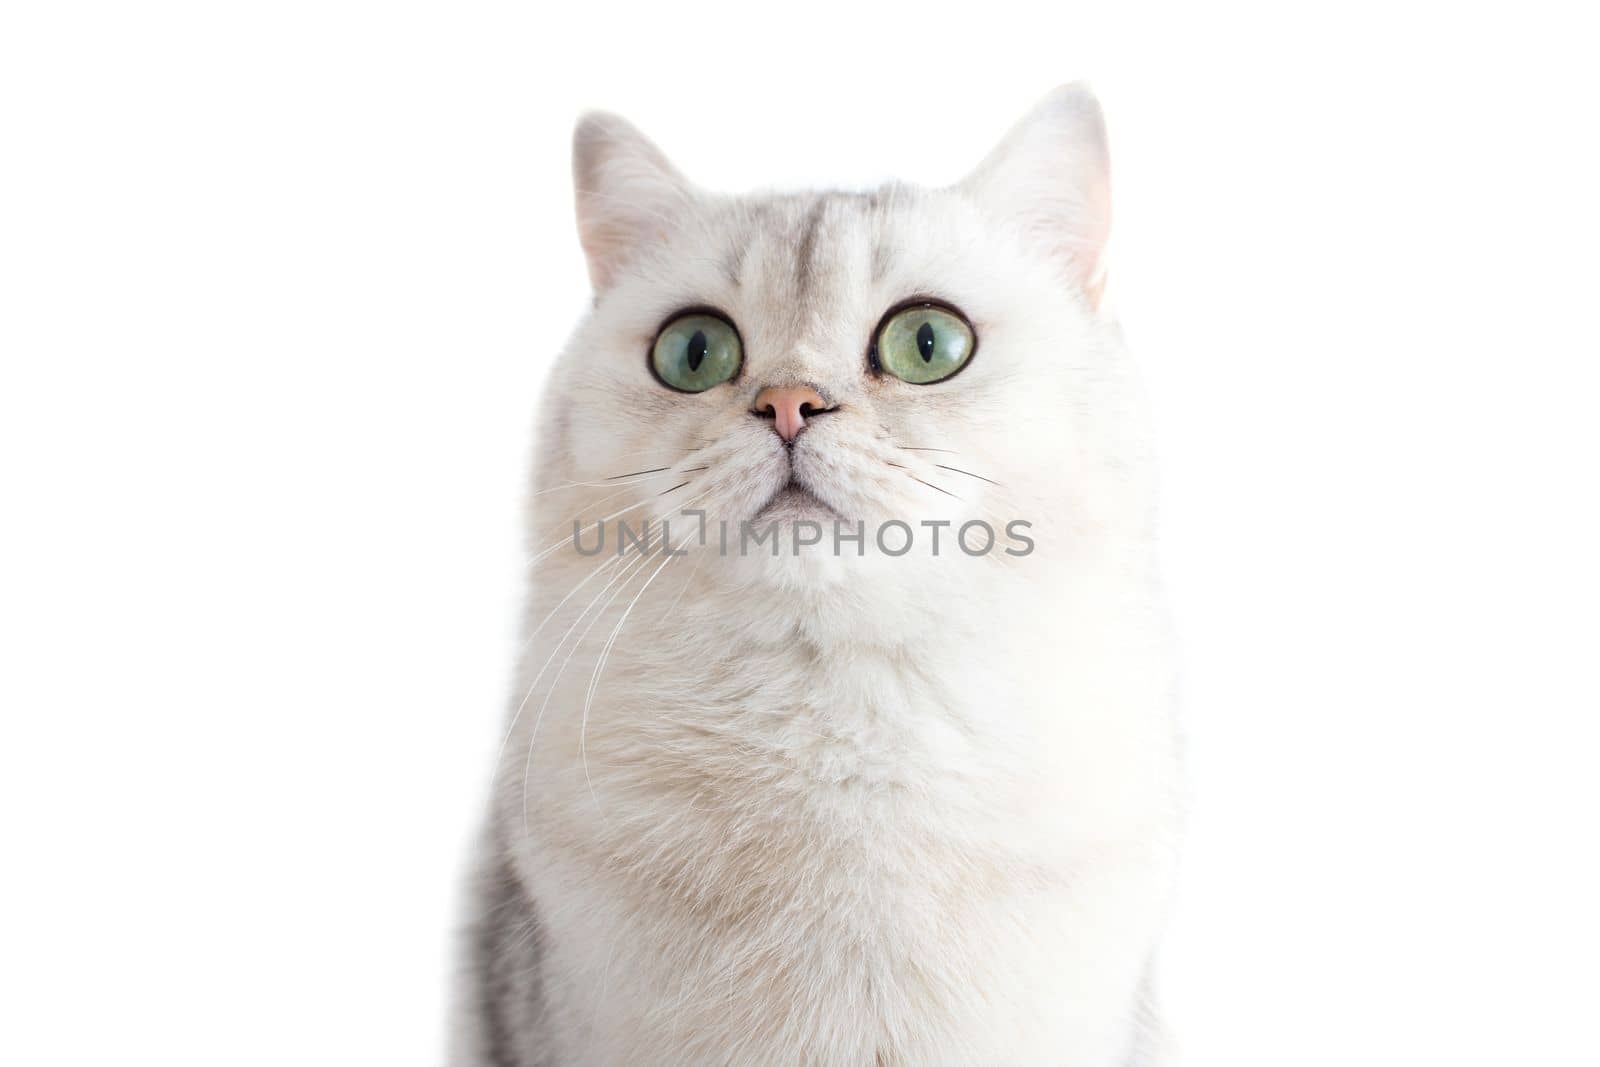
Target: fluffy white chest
<point>756,849</point>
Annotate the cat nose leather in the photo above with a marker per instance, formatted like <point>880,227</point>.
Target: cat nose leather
<point>788,407</point>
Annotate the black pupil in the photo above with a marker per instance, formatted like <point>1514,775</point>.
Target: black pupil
<point>697,349</point>
<point>925,341</point>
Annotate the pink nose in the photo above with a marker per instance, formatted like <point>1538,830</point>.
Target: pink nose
<point>788,408</point>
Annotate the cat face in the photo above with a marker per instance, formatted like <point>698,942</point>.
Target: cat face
<point>911,355</point>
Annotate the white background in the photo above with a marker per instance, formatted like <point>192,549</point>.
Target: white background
<point>278,285</point>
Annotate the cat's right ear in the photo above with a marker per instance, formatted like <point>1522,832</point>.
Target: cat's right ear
<point>628,194</point>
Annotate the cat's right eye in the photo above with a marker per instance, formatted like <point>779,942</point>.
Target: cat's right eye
<point>696,351</point>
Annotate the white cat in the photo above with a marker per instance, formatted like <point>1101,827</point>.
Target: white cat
<point>841,804</point>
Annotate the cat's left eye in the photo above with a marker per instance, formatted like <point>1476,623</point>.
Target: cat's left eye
<point>696,351</point>
<point>924,343</point>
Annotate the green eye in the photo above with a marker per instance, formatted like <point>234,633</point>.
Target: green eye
<point>695,352</point>
<point>925,344</point>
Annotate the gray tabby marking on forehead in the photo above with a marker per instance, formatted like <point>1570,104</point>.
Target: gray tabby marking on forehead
<point>829,208</point>
<point>806,246</point>
<point>794,231</point>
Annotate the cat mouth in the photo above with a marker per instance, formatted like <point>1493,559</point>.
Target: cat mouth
<point>794,501</point>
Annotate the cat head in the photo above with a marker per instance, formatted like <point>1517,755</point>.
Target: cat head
<point>911,355</point>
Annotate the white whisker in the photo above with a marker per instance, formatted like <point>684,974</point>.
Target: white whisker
<point>517,715</point>
<point>594,679</point>
<point>634,566</point>
<point>610,483</point>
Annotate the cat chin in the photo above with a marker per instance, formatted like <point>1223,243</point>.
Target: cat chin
<point>808,569</point>
<point>825,568</point>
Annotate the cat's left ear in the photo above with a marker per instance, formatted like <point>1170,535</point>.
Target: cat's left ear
<point>1051,175</point>
<point>628,194</point>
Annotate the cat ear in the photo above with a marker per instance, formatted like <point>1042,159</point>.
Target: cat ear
<point>628,194</point>
<point>1051,176</point>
